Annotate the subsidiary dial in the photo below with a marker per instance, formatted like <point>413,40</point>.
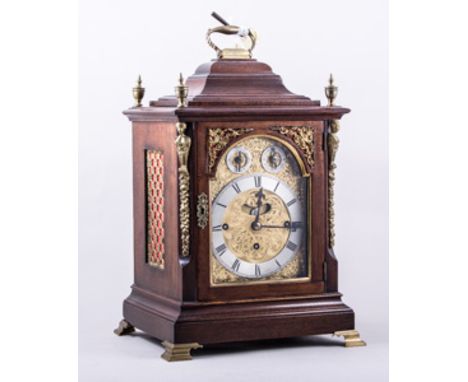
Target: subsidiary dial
<point>238,160</point>
<point>273,159</point>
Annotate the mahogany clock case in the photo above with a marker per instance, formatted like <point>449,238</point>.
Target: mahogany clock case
<point>178,304</point>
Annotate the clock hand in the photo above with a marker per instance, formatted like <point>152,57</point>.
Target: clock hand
<point>256,225</point>
<point>238,161</point>
<point>287,224</point>
<point>259,204</point>
<point>273,226</point>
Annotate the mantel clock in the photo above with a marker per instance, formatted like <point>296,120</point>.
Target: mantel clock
<point>233,208</point>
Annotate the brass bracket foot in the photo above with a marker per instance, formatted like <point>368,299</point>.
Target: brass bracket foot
<point>179,352</point>
<point>351,338</point>
<point>124,328</point>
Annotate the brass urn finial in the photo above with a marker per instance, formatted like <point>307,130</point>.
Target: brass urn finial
<point>181,91</point>
<point>331,91</point>
<point>138,92</point>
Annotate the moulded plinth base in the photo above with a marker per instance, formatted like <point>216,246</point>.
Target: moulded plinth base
<point>184,326</point>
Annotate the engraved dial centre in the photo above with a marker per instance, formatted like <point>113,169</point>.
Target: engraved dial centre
<point>244,238</point>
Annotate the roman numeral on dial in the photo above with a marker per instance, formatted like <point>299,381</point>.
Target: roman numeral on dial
<point>221,249</point>
<point>217,228</point>
<point>291,202</point>
<point>292,246</point>
<point>235,265</point>
<point>236,187</point>
<point>257,270</point>
<point>258,180</point>
<point>295,226</point>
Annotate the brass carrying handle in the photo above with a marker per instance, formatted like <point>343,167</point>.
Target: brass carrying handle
<point>228,29</point>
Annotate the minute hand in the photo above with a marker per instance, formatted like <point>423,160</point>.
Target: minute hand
<point>275,226</point>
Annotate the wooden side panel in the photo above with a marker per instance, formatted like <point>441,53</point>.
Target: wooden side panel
<point>160,137</point>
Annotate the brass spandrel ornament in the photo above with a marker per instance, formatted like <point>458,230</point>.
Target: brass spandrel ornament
<point>233,180</point>
<point>302,136</point>
<point>218,139</point>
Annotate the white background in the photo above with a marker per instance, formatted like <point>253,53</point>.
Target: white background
<point>303,42</point>
<point>38,203</point>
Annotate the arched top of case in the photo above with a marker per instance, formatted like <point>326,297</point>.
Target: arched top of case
<point>237,83</point>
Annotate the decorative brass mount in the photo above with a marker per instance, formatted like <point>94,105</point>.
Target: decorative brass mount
<point>179,352</point>
<point>351,338</point>
<point>227,29</point>
<point>331,91</point>
<point>202,210</point>
<point>302,136</point>
<point>218,139</point>
<point>138,92</point>
<point>183,143</point>
<point>333,144</point>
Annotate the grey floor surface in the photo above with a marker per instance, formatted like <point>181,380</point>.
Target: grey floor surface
<point>106,357</point>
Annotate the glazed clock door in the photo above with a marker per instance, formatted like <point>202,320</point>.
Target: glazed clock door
<point>258,239</point>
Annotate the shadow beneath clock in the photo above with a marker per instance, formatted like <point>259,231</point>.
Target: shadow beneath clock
<point>259,345</point>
